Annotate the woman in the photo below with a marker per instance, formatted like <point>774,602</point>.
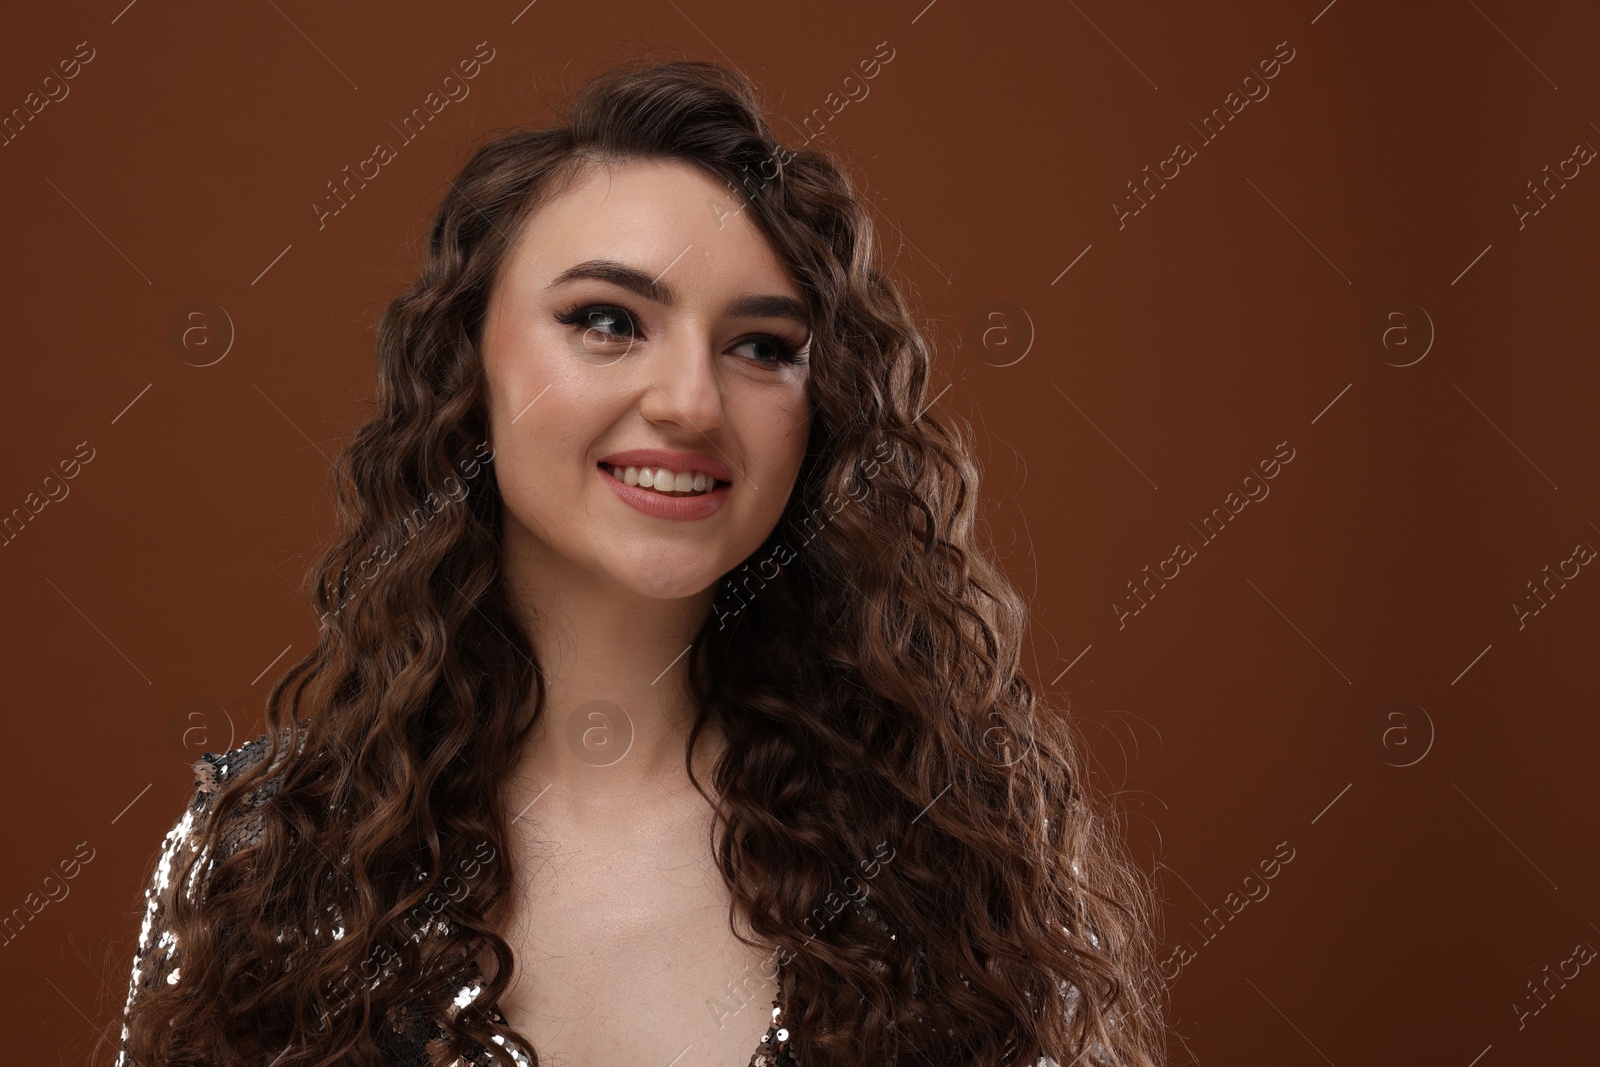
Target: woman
<point>694,695</point>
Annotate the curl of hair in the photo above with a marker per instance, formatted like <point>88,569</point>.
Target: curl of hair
<point>864,666</point>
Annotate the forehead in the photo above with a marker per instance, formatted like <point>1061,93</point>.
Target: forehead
<point>660,215</point>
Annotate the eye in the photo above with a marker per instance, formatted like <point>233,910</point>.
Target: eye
<point>609,321</point>
<point>604,325</point>
<point>772,351</point>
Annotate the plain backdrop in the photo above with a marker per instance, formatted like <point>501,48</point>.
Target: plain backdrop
<point>1379,262</point>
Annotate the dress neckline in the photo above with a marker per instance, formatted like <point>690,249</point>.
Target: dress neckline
<point>772,1051</point>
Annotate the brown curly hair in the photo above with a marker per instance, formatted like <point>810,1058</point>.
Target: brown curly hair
<point>864,671</point>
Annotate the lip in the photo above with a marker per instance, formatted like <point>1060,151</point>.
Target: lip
<point>665,507</point>
<point>673,461</point>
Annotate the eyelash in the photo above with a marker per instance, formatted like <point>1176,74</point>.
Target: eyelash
<point>578,315</point>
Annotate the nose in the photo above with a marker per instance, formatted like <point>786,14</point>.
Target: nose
<point>684,386</point>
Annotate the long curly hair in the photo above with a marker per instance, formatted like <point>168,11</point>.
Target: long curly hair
<point>863,666</point>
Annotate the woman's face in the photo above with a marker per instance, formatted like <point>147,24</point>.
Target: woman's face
<point>642,309</point>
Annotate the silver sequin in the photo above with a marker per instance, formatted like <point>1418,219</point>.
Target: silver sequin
<point>157,955</point>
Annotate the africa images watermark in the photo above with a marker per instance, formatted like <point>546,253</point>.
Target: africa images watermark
<point>1542,993</point>
<point>1253,889</point>
<point>855,90</point>
<point>738,993</point>
<point>54,889</point>
<point>383,153</point>
<point>1536,601</point>
<point>55,491</point>
<point>1183,553</point>
<point>413,522</point>
<point>418,921</point>
<point>1211,126</point>
<point>54,90</point>
<point>782,555</point>
<point>1541,194</point>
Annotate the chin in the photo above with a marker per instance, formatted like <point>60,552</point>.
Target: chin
<point>665,585</point>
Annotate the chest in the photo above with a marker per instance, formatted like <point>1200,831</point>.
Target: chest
<point>623,947</point>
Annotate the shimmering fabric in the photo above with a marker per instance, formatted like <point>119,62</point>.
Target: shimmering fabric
<point>158,959</point>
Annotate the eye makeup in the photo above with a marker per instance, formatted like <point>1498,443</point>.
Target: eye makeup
<point>599,319</point>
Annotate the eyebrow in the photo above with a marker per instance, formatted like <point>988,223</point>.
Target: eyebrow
<point>750,306</point>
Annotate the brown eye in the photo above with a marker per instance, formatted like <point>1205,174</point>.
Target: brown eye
<point>608,320</point>
<point>771,351</point>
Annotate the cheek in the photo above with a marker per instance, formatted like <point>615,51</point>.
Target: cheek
<point>537,424</point>
<point>785,430</point>
<point>796,420</point>
<point>538,402</point>
<point>518,363</point>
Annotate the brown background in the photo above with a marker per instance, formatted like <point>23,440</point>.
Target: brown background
<point>1443,846</point>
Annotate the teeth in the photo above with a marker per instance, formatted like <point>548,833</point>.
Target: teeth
<point>665,481</point>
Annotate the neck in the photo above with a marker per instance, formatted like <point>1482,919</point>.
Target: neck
<point>614,728</point>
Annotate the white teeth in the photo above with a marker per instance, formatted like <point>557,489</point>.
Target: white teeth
<point>663,480</point>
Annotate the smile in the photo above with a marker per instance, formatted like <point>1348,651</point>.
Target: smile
<point>664,481</point>
<point>637,487</point>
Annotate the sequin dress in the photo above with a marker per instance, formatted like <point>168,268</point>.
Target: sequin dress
<point>157,958</point>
